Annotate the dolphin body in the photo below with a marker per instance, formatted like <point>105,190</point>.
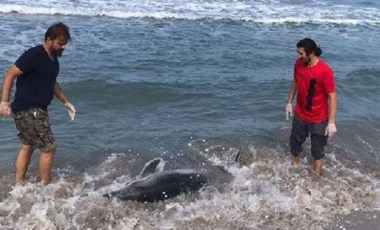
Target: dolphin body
<point>155,184</point>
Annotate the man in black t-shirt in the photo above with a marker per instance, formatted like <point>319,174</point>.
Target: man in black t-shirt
<point>36,71</point>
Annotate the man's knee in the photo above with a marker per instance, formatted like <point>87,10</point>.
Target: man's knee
<point>50,148</point>
<point>318,143</point>
<point>295,147</point>
<point>26,149</point>
<point>296,141</point>
<point>317,153</point>
<point>299,132</point>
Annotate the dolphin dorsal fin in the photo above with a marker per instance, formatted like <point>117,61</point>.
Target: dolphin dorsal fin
<point>152,166</point>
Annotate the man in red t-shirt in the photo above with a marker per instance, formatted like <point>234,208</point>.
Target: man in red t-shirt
<point>315,109</point>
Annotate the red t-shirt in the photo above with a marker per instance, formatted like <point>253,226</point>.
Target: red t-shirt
<point>314,84</point>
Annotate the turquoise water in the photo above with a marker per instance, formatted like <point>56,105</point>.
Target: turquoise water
<point>186,80</point>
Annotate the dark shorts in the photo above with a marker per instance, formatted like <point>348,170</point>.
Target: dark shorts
<point>301,130</point>
<point>34,129</point>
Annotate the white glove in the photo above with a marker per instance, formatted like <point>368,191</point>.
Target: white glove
<point>71,109</point>
<point>5,109</point>
<point>288,111</point>
<point>330,130</point>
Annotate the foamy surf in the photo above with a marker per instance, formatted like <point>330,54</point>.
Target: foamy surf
<point>263,12</point>
<point>268,193</point>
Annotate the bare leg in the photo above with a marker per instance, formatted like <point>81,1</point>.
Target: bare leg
<point>22,162</point>
<point>296,160</point>
<point>46,165</point>
<point>317,167</point>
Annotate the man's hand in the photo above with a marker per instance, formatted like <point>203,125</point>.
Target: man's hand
<point>330,130</point>
<point>71,109</point>
<point>5,109</point>
<point>288,111</point>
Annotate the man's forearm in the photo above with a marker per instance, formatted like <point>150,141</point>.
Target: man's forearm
<point>58,92</point>
<point>292,92</point>
<point>10,75</point>
<point>6,87</point>
<point>332,107</point>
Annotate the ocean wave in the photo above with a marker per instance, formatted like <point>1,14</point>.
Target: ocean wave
<point>358,93</point>
<point>363,77</point>
<point>263,12</point>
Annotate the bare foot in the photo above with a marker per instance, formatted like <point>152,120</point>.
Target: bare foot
<point>39,181</point>
<point>20,182</point>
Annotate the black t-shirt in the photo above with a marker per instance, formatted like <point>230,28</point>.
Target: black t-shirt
<point>35,87</point>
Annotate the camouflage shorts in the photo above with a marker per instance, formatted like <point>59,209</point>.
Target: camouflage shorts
<point>34,129</point>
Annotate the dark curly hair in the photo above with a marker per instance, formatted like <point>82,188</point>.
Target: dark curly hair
<point>56,30</point>
<point>309,46</point>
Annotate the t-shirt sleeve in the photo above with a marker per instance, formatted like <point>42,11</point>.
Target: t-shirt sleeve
<point>27,61</point>
<point>329,81</point>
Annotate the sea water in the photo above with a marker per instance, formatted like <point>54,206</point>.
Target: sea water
<point>192,81</point>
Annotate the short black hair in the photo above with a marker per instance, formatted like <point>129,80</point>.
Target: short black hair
<point>56,30</point>
<point>309,46</point>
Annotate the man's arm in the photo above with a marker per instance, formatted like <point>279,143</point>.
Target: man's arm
<point>331,128</point>
<point>292,92</point>
<point>289,106</point>
<point>58,92</point>
<point>332,107</point>
<point>9,77</point>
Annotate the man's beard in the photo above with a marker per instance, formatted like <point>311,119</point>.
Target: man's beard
<point>306,61</point>
<point>56,53</point>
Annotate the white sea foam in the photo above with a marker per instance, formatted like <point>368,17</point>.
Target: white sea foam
<point>267,194</point>
<point>265,11</point>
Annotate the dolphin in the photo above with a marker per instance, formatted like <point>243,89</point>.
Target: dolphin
<point>155,184</point>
